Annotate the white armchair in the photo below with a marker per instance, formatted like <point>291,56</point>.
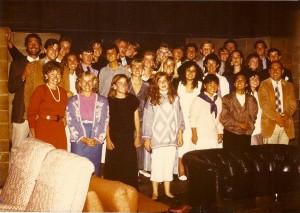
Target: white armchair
<point>46,179</point>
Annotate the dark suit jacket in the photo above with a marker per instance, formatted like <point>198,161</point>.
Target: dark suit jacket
<point>267,101</point>
<point>16,86</point>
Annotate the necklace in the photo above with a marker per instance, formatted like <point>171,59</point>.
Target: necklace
<point>57,100</point>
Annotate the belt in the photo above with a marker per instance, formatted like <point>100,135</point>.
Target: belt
<point>51,117</point>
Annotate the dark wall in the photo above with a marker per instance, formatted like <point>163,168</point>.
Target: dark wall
<point>150,21</point>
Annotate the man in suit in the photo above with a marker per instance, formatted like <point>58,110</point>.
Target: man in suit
<point>122,45</point>
<point>260,47</point>
<point>278,104</point>
<point>16,82</point>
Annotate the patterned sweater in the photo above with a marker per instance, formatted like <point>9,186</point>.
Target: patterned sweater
<point>100,121</point>
<point>162,122</point>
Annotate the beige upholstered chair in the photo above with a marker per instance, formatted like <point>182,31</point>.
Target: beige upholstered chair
<point>52,180</point>
<point>62,183</point>
<point>23,173</point>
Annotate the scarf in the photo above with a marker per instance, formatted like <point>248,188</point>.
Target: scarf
<point>213,106</point>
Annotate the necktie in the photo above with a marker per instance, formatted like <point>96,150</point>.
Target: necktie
<point>277,96</point>
<point>88,69</point>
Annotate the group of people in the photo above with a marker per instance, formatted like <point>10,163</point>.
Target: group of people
<point>140,113</point>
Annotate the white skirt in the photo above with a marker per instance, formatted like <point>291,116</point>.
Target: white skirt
<point>162,165</point>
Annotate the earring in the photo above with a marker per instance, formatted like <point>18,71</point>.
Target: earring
<point>115,88</point>
<point>231,63</point>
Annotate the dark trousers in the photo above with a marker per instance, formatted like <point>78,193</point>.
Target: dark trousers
<point>234,142</point>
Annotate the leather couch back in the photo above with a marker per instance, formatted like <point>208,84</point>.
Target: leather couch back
<point>261,170</point>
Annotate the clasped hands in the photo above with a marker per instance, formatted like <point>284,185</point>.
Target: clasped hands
<point>89,142</point>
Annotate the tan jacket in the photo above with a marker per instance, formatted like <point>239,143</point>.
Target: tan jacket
<point>35,79</point>
<point>65,81</point>
<point>266,96</point>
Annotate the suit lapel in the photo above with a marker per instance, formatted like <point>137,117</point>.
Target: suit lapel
<point>284,93</point>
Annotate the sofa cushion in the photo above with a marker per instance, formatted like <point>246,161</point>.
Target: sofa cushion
<point>23,172</point>
<point>62,183</point>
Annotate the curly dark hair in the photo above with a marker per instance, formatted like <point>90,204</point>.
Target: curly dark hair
<point>182,73</point>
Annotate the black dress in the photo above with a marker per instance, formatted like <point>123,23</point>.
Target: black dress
<point>121,162</point>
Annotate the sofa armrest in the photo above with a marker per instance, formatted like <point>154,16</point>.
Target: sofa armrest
<point>114,195</point>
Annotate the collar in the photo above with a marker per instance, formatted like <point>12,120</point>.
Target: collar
<point>30,59</point>
<point>275,82</point>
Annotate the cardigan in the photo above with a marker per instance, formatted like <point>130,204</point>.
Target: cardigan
<point>100,121</point>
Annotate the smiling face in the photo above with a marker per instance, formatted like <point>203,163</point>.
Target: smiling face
<point>212,66</point>
<point>137,69</point>
<point>65,48</point>
<point>253,63</point>
<point>130,51</point>
<point>177,54</point>
<point>206,49</point>
<point>112,55</point>
<point>52,52</point>
<point>163,53</point>
<point>122,46</point>
<point>33,47</point>
<point>53,77</point>
<point>260,49</point>
<point>97,49</point>
<point>276,71</point>
<point>163,83</point>
<point>169,67</point>
<point>149,61</point>
<point>274,56</point>
<point>191,53</point>
<point>121,86</point>
<point>86,84</point>
<point>224,55</point>
<point>211,88</point>
<point>190,73</point>
<point>240,83</point>
<point>254,81</point>
<point>72,62</point>
<point>87,58</point>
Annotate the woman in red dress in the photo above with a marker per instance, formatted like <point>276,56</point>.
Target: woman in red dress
<point>47,106</point>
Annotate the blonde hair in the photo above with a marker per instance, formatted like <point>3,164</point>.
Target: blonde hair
<point>170,58</point>
<point>95,81</point>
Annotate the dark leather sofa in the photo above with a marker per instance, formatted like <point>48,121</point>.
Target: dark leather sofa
<point>217,174</point>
